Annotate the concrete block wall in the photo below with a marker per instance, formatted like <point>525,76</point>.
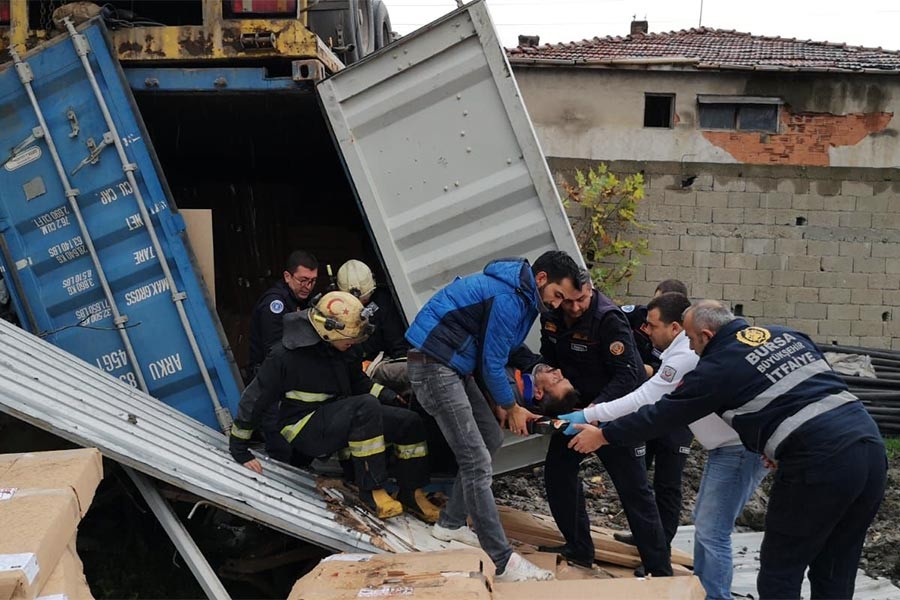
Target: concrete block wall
<point>815,248</point>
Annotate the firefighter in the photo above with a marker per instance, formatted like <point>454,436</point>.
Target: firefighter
<point>327,404</point>
<point>385,349</point>
<point>288,295</point>
<point>590,340</point>
<point>774,387</point>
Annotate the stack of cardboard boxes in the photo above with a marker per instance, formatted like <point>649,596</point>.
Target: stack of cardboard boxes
<point>43,496</point>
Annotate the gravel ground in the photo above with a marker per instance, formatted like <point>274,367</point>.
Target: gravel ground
<point>881,554</point>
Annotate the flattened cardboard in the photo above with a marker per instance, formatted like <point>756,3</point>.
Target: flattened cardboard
<point>79,470</point>
<point>67,580</point>
<point>452,574</point>
<point>654,588</point>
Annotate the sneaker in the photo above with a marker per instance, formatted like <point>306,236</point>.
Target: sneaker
<point>463,535</point>
<point>519,569</point>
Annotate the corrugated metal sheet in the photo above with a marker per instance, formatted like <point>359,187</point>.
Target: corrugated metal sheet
<point>443,155</point>
<point>56,285</point>
<point>745,549</point>
<point>53,390</point>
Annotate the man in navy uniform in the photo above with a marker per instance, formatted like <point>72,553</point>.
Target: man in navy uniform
<point>590,340</point>
<point>774,387</point>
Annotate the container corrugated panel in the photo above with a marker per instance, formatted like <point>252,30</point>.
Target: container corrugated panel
<point>55,284</point>
<point>135,430</point>
<point>445,161</point>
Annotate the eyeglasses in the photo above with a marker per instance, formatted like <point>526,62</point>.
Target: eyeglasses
<point>305,281</point>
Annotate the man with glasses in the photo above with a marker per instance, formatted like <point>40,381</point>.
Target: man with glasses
<point>290,294</point>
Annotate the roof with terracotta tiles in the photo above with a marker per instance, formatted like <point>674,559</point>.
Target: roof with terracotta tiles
<point>712,49</point>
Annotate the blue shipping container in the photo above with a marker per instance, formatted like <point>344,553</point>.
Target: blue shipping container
<point>44,252</point>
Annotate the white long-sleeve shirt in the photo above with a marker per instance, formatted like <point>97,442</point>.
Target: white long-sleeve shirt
<point>677,360</point>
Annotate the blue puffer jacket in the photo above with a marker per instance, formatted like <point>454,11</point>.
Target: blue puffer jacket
<point>472,324</point>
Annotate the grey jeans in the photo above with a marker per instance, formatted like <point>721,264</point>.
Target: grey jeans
<point>472,432</point>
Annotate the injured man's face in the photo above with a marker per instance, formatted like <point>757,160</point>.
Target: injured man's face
<point>553,394</point>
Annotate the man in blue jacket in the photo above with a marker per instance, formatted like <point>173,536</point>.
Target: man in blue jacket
<point>470,327</point>
<point>774,387</point>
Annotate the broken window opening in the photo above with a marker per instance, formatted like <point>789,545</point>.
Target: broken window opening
<point>659,110</point>
<point>739,113</point>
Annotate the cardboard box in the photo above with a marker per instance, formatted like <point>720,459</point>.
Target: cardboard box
<point>452,574</point>
<point>42,498</point>
<point>654,588</point>
<point>67,581</point>
<point>78,470</point>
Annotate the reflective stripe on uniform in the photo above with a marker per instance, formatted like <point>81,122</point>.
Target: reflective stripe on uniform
<point>364,448</point>
<point>408,451</point>
<point>808,412</point>
<point>782,386</point>
<point>307,396</point>
<point>291,431</point>
<point>241,434</point>
<point>376,389</point>
<point>344,454</point>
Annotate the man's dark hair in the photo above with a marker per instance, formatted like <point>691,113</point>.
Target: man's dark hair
<point>300,258</point>
<point>672,285</point>
<point>671,306</point>
<point>558,266</point>
<point>553,407</point>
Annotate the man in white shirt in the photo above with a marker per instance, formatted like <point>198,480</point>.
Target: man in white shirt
<point>732,472</point>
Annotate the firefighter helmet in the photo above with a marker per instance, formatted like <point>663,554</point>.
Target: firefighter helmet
<point>339,316</point>
<point>355,277</point>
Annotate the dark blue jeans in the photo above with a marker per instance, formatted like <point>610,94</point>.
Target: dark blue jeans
<point>818,517</point>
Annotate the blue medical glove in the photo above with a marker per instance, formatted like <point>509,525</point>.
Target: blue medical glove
<point>573,418</point>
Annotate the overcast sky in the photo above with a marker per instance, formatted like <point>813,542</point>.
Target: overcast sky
<point>860,22</point>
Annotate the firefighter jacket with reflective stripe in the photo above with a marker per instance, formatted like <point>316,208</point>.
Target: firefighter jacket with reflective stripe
<point>298,380</point>
<point>772,385</point>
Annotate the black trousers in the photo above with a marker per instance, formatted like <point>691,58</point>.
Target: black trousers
<point>628,472</point>
<point>818,517</point>
<point>368,428</point>
<point>670,453</point>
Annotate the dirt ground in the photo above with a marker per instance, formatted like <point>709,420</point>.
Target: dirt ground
<point>881,554</point>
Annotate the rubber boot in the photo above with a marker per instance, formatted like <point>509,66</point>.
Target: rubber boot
<point>382,503</point>
<point>418,504</point>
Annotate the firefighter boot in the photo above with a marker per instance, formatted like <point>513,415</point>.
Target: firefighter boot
<point>418,504</point>
<point>382,503</point>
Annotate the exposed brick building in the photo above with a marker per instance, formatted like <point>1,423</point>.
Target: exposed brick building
<point>771,166</point>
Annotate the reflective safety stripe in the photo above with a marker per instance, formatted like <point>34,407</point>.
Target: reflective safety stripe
<point>241,434</point>
<point>782,386</point>
<point>364,448</point>
<point>291,431</point>
<point>408,451</point>
<point>344,454</point>
<point>307,396</point>
<point>808,412</point>
<point>376,389</point>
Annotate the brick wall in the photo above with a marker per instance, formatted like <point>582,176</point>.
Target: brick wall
<point>814,248</point>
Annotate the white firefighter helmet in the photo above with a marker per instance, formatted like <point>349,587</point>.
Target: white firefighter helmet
<point>339,316</point>
<point>355,277</point>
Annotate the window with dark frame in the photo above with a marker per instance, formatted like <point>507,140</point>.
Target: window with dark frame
<point>659,110</point>
<point>739,113</point>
